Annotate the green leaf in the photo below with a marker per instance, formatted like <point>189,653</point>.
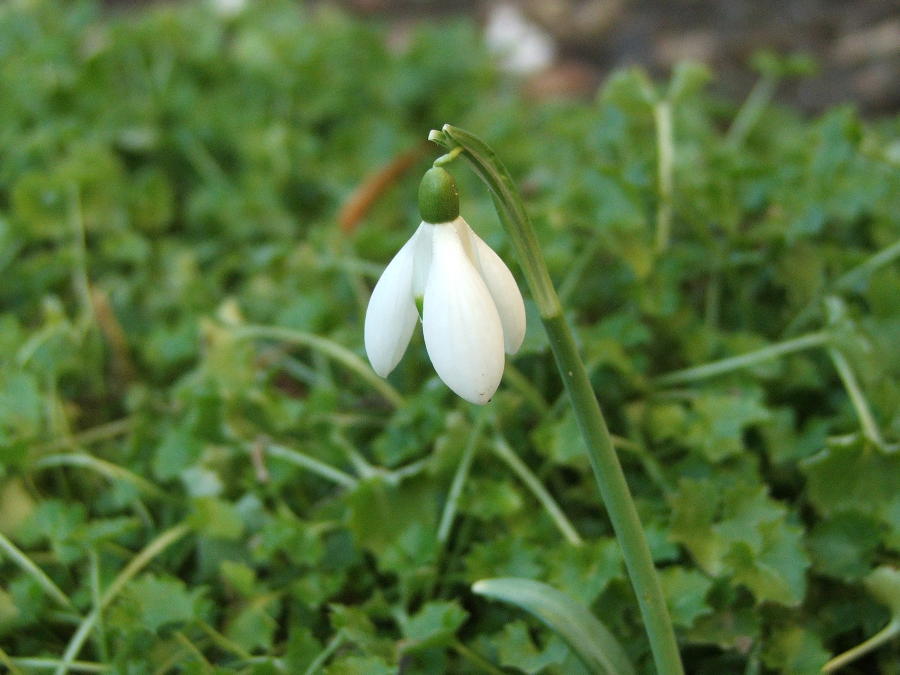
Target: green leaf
<point>254,626</point>
<point>154,603</point>
<point>434,625</point>
<point>58,522</point>
<point>844,545</point>
<point>731,628</point>
<point>718,422</point>
<point>357,665</point>
<point>585,571</point>
<point>302,649</point>
<point>518,651</point>
<point>178,450</point>
<point>21,406</point>
<point>216,518</point>
<point>776,570</point>
<point>589,639</point>
<point>241,577</point>
<point>742,533</point>
<point>694,510</point>
<point>506,555</point>
<point>795,650</point>
<point>853,475</point>
<point>380,510</point>
<point>560,441</point>
<point>686,592</point>
<point>488,499</point>
<point>359,629</point>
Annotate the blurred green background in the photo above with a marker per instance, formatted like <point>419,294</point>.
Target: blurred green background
<point>199,472</point>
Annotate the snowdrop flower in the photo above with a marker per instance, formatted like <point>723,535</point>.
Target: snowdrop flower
<point>472,309</point>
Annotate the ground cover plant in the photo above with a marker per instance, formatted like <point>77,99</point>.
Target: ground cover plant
<point>201,473</point>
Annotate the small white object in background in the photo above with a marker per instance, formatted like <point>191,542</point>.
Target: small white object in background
<point>522,46</point>
<point>228,8</point>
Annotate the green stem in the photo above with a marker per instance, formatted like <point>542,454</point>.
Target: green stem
<point>846,282</point>
<point>154,548</point>
<point>7,661</point>
<point>875,262</point>
<point>617,497</point>
<point>94,577</point>
<point>857,398</point>
<point>607,469</point>
<point>195,651</point>
<point>79,273</point>
<point>96,434</point>
<point>476,659</point>
<point>749,113</point>
<point>223,642</point>
<point>563,524</point>
<point>23,561</point>
<point>328,348</point>
<point>360,464</point>
<point>333,645</point>
<point>459,480</point>
<point>887,633</point>
<point>744,360</point>
<point>665,148</point>
<point>576,270</point>
<point>108,469</point>
<point>38,663</point>
<point>311,464</point>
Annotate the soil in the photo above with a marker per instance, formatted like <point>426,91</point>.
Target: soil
<point>856,45</point>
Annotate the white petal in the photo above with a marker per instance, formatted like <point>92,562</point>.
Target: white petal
<point>502,286</point>
<point>462,329</point>
<point>423,247</point>
<point>391,315</point>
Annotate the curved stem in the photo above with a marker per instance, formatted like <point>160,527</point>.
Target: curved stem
<point>459,480</point>
<point>327,347</point>
<point>533,483</point>
<point>747,116</point>
<point>887,633</point>
<point>847,281</point>
<point>332,646</point>
<point>134,566</point>
<point>24,562</point>
<point>312,464</point>
<point>108,469</point>
<point>743,360</point>
<point>604,461</point>
<point>857,398</point>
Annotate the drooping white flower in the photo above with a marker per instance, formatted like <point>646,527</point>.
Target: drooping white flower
<point>472,308</point>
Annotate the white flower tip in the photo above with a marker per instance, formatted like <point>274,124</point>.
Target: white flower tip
<point>481,398</point>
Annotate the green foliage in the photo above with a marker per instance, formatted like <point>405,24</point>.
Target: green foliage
<point>172,177</point>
